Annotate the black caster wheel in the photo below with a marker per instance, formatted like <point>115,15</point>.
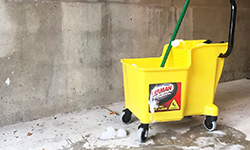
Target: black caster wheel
<point>210,123</point>
<point>143,133</point>
<point>126,116</point>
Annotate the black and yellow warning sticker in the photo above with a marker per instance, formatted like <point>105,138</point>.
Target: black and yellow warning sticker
<point>173,105</point>
<point>167,96</point>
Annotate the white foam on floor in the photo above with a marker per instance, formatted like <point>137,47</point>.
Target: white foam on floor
<point>121,133</point>
<point>217,132</point>
<point>111,133</point>
<point>206,141</point>
<point>108,134</point>
<point>7,82</point>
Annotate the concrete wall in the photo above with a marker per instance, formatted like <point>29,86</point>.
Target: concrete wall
<point>61,56</point>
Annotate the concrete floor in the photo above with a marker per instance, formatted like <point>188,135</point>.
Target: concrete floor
<point>80,130</point>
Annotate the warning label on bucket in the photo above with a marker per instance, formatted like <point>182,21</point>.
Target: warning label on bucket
<point>174,105</point>
<point>164,97</point>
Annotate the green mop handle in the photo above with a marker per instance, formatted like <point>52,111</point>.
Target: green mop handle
<point>175,32</point>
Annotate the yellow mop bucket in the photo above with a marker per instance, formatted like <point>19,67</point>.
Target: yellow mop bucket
<point>145,82</point>
<point>185,86</point>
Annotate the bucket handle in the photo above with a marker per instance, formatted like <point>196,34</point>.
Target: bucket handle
<point>231,30</point>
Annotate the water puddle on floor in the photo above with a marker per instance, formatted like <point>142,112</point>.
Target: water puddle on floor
<point>197,138</point>
<point>223,138</point>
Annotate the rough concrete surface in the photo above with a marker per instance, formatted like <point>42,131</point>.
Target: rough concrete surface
<point>80,130</point>
<point>60,56</point>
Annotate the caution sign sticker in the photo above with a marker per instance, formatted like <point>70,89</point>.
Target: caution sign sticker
<point>174,105</point>
<point>164,97</point>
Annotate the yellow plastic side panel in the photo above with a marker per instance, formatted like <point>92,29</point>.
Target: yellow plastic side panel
<point>137,93</point>
<point>133,92</point>
<point>140,73</point>
<point>220,65</point>
<point>166,77</point>
<point>203,77</point>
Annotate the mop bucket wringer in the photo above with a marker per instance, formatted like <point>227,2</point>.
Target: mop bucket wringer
<point>185,86</point>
